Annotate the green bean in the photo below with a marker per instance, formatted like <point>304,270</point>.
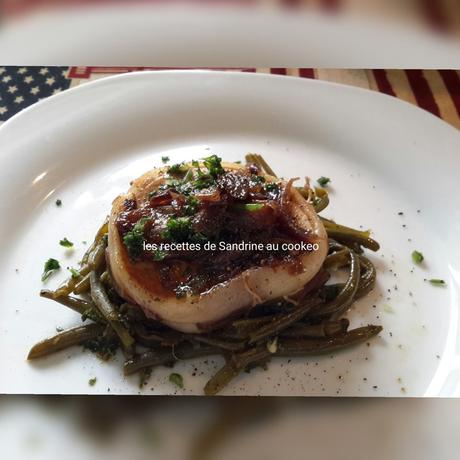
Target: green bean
<point>219,342</point>
<point>156,338</point>
<point>105,307</point>
<point>324,329</point>
<point>84,259</point>
<point>83,285</point>
<point>285,347</point>
<point>69,285</point>
<point>282,322</point>
<point>65,339</point>
<point>315,284</point>
<point>329,293</point>
<point>233,367</point>
<point>148,359</point>
<point>244,326</point>
<point>337,259</point>
<point>349,235</point>
<point>302,347</point>
<point>344,299</point>
<point>106,280</point>
<point>93,258</point>
<point>153,358</point>
<point>97,258</point>
<point>78,305</point>
<point>342,302</point>
<point>334,246</point>
<point>304,192</point>
<point>368,277</point>
<point>321,199</point>
<point>102,230</point>
<point>85,308</point>
<point>133,312</point>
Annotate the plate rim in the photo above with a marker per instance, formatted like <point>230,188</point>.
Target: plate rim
<point>182,73</point>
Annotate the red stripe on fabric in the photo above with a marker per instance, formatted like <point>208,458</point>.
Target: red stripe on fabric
<point>278,70</point>
<point>422,91</point>
<point>383,83</point>
<point>79,72</point>
<point>86,72</point>
<point>306,73</point>
<point>452,82</point>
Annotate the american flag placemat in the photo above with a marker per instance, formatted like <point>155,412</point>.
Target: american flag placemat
<point>24,86</point>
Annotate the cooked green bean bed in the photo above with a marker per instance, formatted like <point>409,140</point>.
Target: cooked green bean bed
<point>308,324</point>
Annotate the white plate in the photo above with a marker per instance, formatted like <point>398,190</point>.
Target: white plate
<point>383,155</point>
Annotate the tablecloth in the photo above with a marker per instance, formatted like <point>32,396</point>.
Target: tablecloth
<point>437,91</point>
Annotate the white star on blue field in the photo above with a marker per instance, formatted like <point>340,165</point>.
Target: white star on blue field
<point>23,86</point>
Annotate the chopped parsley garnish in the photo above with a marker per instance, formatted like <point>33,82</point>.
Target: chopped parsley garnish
<point>159,255</point>
<point>92,382</point>
<point>214,165</point>
<point>66,243</point>
<point>75,273</point>
<point>323,181</point>
<point>271,187</point>
<point>272,190</point>
<point>203,181</point>
<point>437,282</point>
<point>134,239</point>
<point>258,179</point>
<point>176,379</point>
<point>58,202</point>
<point>185,180</point>
<point>178,169</point>
<point>178,229</point>
<point>417,257</point>
<point>165,159</point>
<point>104,347</point>
<point>191,206</point>
<point>90,314</point>
<point>50,266</point>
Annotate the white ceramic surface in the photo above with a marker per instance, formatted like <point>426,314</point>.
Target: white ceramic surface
<point>383,156</point>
